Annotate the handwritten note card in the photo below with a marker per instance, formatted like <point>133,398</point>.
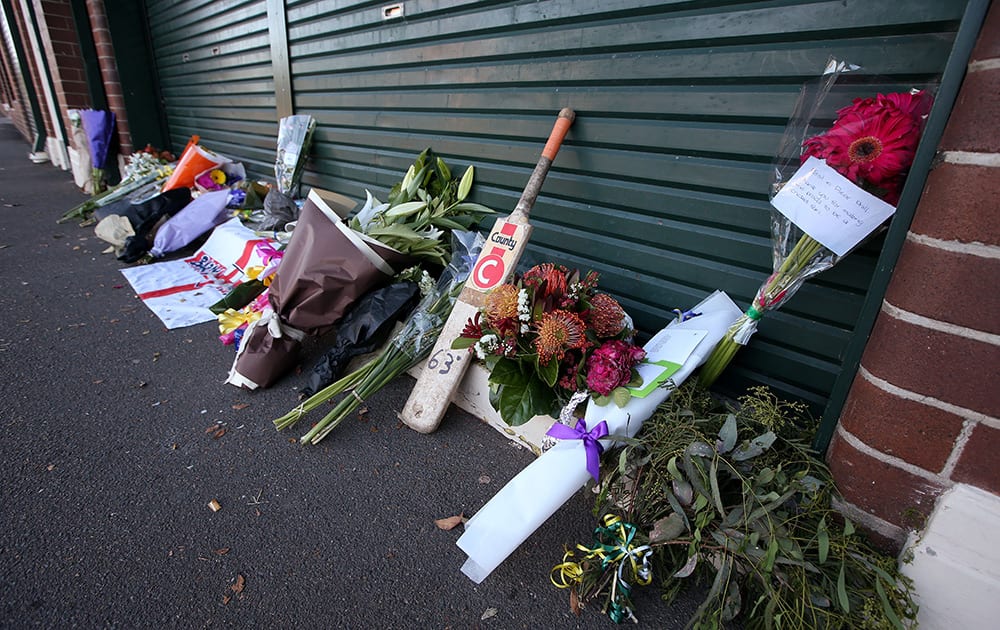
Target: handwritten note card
<point>828,207</point>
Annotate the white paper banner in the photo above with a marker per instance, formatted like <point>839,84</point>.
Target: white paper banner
<point>179,292</point>
<point>828,207</point>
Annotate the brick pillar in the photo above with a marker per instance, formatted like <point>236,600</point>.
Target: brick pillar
<point>109,72</point>
<point>15,103</point>
<point>924,411</point>
<point>45,126</point>
<point>62,49</point>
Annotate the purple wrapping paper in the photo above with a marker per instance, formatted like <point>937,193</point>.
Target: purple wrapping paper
<point>99,126</point>
<point>325,269</point>
<point>196,218</point>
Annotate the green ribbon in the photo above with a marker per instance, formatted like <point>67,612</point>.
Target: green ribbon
<point>754,314</point>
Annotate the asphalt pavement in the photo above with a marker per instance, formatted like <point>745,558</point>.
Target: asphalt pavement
<point>108,471</point>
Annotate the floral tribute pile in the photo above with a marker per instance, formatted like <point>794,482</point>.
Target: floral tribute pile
<point>549,335</point>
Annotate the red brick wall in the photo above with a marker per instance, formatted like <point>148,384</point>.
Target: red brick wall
<point>15,105</point>
<point>46,127</point>
<point>109,72</point>
<point>924,411</point>
<point>62,48</point>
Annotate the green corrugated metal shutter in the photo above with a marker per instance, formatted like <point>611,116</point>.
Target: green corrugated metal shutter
<point>214,65</point>
<point>661,185</point>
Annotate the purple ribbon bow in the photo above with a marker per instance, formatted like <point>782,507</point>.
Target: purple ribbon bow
<point>590,441</point>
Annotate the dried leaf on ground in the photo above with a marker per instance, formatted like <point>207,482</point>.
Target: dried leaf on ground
<point>451,522</point>
<point>223,551</point>
<point>212,429</point>
<point>241,405</point>
<point>238,586</point>
<point>218,434</point>
<point>490,612</point>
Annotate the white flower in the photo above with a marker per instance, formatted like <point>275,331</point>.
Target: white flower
<point>427,284</point>
<point>523,313</point>
<point>487,344</point>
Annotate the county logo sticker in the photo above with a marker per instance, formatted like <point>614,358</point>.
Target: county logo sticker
<point>497,257</point>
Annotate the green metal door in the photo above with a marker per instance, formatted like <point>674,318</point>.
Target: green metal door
<point>661,184</point>
<point>213,62</point>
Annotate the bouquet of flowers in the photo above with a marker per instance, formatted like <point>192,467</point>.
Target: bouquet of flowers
<point>521,506</point>
<point>143,169</point>
<point>833,187</point>
<point>547,336</point>
<point>100,128</point>
<point>410,346</point>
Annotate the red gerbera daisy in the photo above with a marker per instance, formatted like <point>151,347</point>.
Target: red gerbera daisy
<point>873,141</point>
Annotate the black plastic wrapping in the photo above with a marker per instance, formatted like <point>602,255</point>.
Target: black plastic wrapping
<point>363,329</point>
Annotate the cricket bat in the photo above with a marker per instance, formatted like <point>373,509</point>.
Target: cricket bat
<point>443,372</point>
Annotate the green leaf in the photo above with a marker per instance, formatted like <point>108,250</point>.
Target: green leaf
<point>764,477</point>
<point>672,468</point>
<point>520,404</point>
<point>417,181</point>
<point>688,567</point>
<point>772,552</point>
<point>621,396</point>
<point>713,480</point>
<point>461,343</point>
<point>700,503</point>
<point>887,607</point>
<point>754,447</point>
<point>727,434</point>
<point>667,528</point>
<point>508,372</point>
<point>549,373</point>
<point>443,171</point>
<point>448,224</point>
<point>472,208</point>
<point>824,540</point>
<point>466,184</point>
<point>845,603</point>
<point>405,209</point>
<point>848,527</point>
<point>683,491</point>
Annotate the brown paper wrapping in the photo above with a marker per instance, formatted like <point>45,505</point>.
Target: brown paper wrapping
<point>325,269</point>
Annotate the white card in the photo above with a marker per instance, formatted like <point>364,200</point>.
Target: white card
<point>666,352</point>
<point>828,207</point>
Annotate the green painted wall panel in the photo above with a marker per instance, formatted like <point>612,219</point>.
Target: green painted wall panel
<point>662,182</point>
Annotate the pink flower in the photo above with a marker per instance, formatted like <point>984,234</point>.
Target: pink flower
<point>610,366</point>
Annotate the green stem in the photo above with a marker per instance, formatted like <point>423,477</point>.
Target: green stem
<point>790,270</point>
<point>323,395</point>
<point>386,368</point>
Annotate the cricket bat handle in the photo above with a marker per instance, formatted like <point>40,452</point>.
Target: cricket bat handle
<point>523,208</point>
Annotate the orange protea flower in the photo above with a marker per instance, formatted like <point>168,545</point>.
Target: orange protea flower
<point>547,280</point>
<point>558,332</point>
<point>500,305</point>
<point>607,317</point>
